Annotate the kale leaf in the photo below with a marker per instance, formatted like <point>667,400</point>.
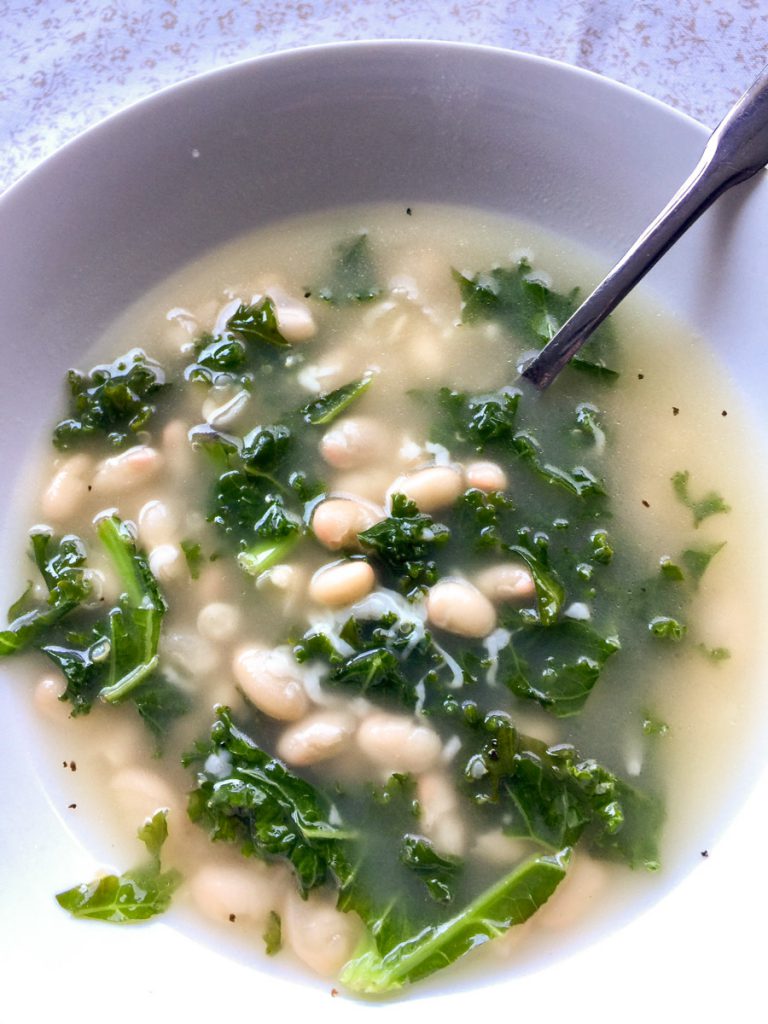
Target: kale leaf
<point>273,934</point>
<point>406,542</point>
<point>488,423</point>
<point>218,360</point>
<point>111,399</point>
<point>257,323</point>
<point>556,665</point>
<point>385,659</point>
<point>115,659</point>
<point>61,563</point>
<point>711,504</point>
<point>193,555</point>
<point>555,797</point>
<point>436,871</point>
<point>510,901</point>
<point>246,797</point>
<point>323,410</point>
<point>258,501</point>
<point>136,895</point>
<point>354,275</point>
<point>531,311</point>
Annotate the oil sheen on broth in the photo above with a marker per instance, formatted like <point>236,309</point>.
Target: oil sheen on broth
<point>558,657</point>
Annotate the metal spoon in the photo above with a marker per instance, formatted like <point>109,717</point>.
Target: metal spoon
<point>737,149</point>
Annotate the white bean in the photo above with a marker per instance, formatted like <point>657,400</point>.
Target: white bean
<point>271,680</point>
<point>432,488</point>
<point>317,737</point>
<point>238,893</point>
<point>132,468</point>
<point>191,654</point>
<point>497,848</point>
<point>425,355</point>
<point>572,898</point>
<point>166,562</point>
<point>128,742</point>
<point>177,449</point>
<point>47,698</point>
<point>440,818</point>
<point>340,583</point>
<point>157,524</point>
<point>353,442</point>
<point>337,521</point>
<point>458,607</point>
<point>140,793</point>
<point>218,621</point>
<point>68,489</point>
<point>294,318</point>
<point>368,484</point>
<point>330,372</point>
<point>318,933</point>
<point>507,582</point>
<point>486,476</point>
<point>398,743</point>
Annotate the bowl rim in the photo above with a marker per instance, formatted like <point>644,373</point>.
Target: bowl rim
<point>330,50</point>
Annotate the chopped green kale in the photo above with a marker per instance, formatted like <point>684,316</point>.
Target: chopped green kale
<point>257,323</point>
<point>258,501</point>
<point>696,560</point>
<point>406,542</point>
<point>710,505</point>
<point>555,797</point>
<point>714,654</point>
<point>246,797</point>
<point>667,628</point>
<point>437,872</point>
<point>113,659</point>
<point>654,726</point>
<point>532,312</point>
<point>323,410</point>
<point>218,360</point>
<point>111,399</point>
<point>556,665</point>
<point>193,554</point>
<point>61,563</point>
<point>508,902</point>
<point>273,935</point>
<point>487,423</point>
<point>353,278</point>
<point>385,659</point>
<point>136,895</point>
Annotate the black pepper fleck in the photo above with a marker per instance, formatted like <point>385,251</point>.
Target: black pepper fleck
<point>409,211</point>
<point>233,918</point>
<point>646,504</point>
<point>90,487</point>
<point>307,295</point>
<point>675,410</point>
<point>641,376</point>
<point>71,807</point>
<point>724,412</point>
<point>72,766</point>
<point>705,853</point>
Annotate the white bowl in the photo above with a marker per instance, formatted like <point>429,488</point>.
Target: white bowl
<point>131,201</point>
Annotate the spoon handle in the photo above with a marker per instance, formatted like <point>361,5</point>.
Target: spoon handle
<point>737,149</point>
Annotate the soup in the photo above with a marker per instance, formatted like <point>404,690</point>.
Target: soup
<point>382,654</point>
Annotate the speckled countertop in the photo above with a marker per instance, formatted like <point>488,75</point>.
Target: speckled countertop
<point>65,64</point>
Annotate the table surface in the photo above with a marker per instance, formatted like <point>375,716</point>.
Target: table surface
<point>66,64</point>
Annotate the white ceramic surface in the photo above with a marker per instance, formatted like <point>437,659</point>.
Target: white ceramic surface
<point>132,200</point>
